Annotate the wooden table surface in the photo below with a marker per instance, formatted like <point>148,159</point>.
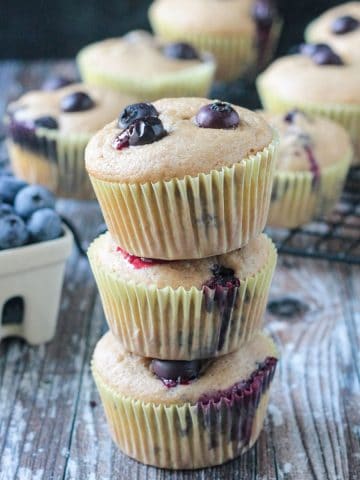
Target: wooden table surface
<point>52,425</point>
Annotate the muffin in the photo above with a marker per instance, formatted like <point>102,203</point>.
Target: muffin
<point>183,309</point>
<point>317,81</point>
<point>186,178</point>
<point>184,415</point>
<point>311,166</point>
<point>240,36</point>
<point>339,27</point>
<point>48,132</point>
<point>138,64</point>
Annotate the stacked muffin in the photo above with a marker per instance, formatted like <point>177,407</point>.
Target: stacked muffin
<point>184,273</point>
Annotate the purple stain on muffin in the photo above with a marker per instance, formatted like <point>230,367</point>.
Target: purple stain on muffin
<point>143,131</point>
<point>180,51</point>
<point>219,115</point>
<point>220,291</point>
<point>233,410</point>
<point>76,102</point>
<point>136,111</point>
<point>344,24</point>
<point>176,372</point>
<point>321,54</point>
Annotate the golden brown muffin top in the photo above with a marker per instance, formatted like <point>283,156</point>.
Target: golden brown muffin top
<point>130,375</point>
<point>137,56</point>
<point>297,78</point>
<point>328,141</point>
<point>245,262</point>
<point>40,103</point>
<point>346,44</point>
<point>187,149</point>
<point>215,17</point>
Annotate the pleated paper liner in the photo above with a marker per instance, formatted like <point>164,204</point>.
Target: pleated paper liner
<point>190,82</point>
<point>234,54</point>
<point>186,436</point>
<point>57,163</point>
<point>297,198</point>
<point>192,217</point>
<point>346,115</point>
<point>181,324</point>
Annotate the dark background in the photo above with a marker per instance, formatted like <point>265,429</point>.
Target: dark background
<point>59,28</point>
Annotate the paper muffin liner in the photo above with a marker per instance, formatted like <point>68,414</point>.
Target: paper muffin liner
<point>57,162</point>
<point>234,54</point>
<point>190,82</point>
<point>182,324</point>
<point>297,198</point>
<point>192,217</point>
<point>186,436</point>
<point>346,115</point>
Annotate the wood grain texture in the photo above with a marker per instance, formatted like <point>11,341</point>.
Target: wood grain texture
<point>52,426</point>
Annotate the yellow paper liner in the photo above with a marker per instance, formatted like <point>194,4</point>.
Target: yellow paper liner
<point>190,82</point>
<point>297,200</point>
<point>345,114</point>
<point>183,436</point>
<point>193,217</point>
<point>177,324</point>
<point>58,163</point>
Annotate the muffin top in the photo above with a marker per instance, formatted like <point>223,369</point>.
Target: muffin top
<point>75,109</point>
<point>305,139</point>
<point>244,262</point>
<point>179,145</point>
<point>139,55</point>
<point>298,78</point>
<point>339,27</point>
<point>210,16</point>
<point>132,376</point>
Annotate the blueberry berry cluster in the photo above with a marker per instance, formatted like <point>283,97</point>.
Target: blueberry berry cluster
<point>141,125</point>
<point>27,213</point>
<point>321,54</point>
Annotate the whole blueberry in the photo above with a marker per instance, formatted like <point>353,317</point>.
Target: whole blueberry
<point>263,13</point>
<point>76,102</point>
<point>141,132</point>
<point>53,83</point>
<point>13,232</point>
<point>32,198</point>
<point>136,111</point>
<point>9,187</point>
<point>326,57</point>
<point>344,24</point>
<point>44,224</point>
<point>180,50</point>
<point>217,115</point>
<point>46,122</point>
<point>179,371</point>
<point>5,209</point>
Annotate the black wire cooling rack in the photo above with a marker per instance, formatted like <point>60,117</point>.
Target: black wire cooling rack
<point>335,237</point>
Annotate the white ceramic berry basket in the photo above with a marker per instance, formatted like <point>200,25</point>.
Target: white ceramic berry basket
<point>31,277</point>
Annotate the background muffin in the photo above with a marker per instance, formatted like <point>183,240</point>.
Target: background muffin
<point>49,130</point>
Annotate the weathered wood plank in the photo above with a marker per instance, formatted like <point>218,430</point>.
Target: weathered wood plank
<point>51,422</point>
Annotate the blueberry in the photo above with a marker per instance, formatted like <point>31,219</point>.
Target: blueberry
<point>290,116</point>
<point>217,115</point>
<point>32,198</point>
<point>263,13</point>
<point>44,224</point>
<point>136,111</point>
<point>344,24</point>
<point>180,50</point>
<point>46,122</point>
<point>53,83</point>
<point>222,277</point>
<point>13,232</point>
<point>173,372</point>
<point>9,187</point>
<point>140,132</point>
<point>76,102</point>
<point>326,57</point>
<point>5,209</point>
